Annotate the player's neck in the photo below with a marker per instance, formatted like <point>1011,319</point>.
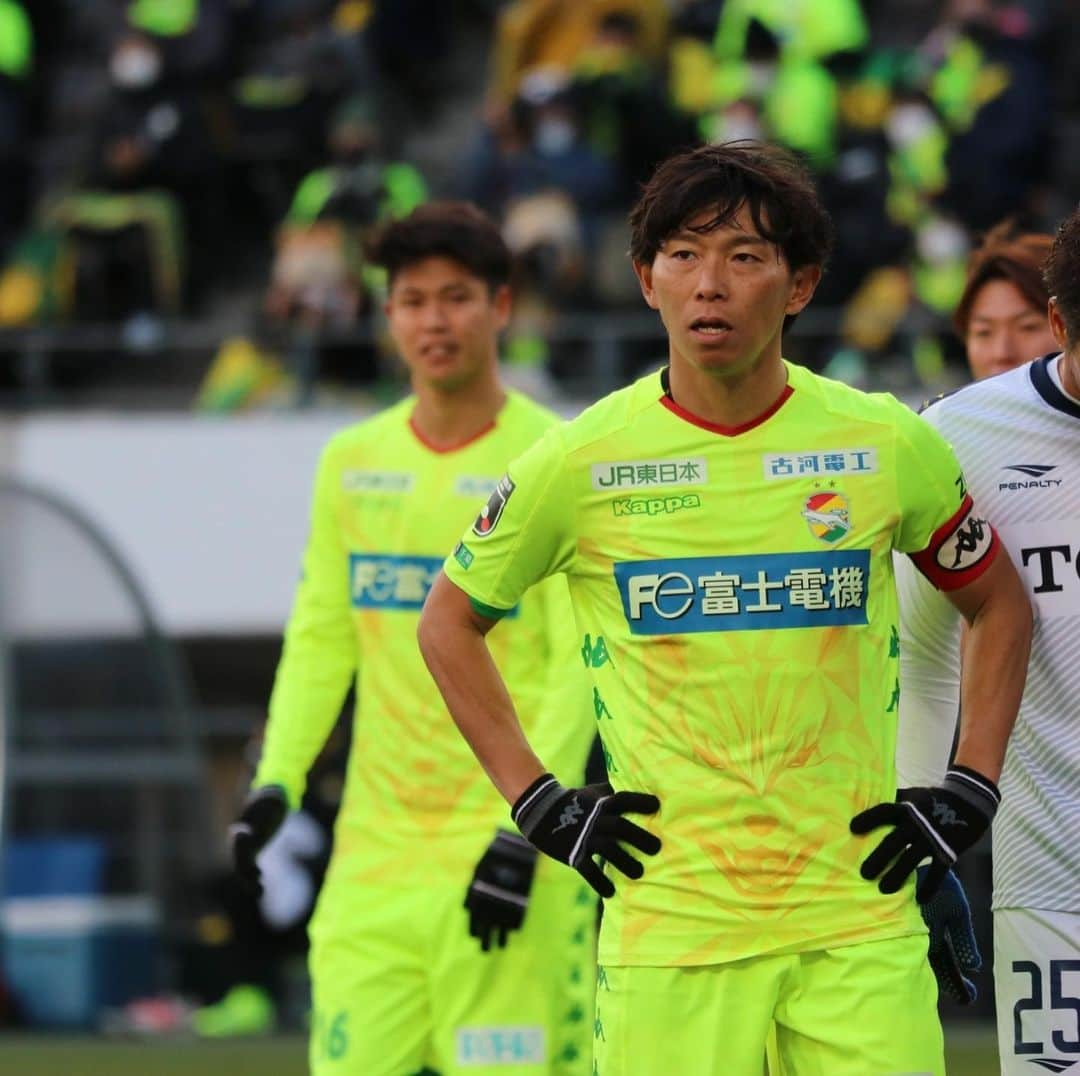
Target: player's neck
<point>1069,369</point>
<point>731,401</point>
<point>447,418</point>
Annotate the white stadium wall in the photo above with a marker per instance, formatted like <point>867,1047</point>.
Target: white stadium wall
<point>209,513</point>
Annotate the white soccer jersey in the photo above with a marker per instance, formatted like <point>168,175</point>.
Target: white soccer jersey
<point>1017,436</point>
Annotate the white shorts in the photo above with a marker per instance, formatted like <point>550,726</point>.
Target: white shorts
<point>1037,983</point>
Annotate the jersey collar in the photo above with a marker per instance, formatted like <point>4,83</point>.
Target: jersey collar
<point>1045,387</point>
<point>725,431</point>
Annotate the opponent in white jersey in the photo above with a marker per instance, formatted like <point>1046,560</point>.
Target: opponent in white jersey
<point>1018,437</point>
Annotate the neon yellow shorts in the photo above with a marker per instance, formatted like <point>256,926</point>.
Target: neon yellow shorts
<point>398,984</point>
<point>859,1010</point>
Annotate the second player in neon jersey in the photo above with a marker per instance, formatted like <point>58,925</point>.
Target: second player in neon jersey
<point>726,527</point>
<point>397,981</point>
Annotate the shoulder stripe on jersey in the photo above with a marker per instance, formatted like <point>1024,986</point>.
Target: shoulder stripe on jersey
<point>1045,387</point>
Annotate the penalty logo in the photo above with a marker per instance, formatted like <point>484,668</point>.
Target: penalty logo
<point>490,514</point>
<point>828,516</point>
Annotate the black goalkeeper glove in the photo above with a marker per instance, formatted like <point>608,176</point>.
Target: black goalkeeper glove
<point>574,824</point>
<point>938,824</point>
<point>264,811</point>
<point>953,950</point>
<point>498,894</point>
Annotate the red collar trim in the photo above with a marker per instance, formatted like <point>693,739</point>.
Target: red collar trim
<point>445,450</point>
<point>727,431</point>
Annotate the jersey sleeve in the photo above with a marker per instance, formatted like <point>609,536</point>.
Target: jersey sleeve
<point>929,678</point>
<point>939,527</point>
<point>523,534</point>
<point>318,659</point>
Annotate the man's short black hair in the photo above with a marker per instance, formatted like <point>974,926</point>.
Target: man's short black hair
<point>455,230</point>
<point>771,182</point>
<point>1062,274</point>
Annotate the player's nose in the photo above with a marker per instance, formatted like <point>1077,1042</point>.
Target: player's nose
<point>711,280</point>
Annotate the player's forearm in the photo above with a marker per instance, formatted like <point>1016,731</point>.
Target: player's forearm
<point>995,660</point>
<point>312,681</point>
<point>457,655</point>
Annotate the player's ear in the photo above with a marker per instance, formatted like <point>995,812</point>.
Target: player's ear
<point>804,282</point>
<point>1057,324</point>
<point>643,273</point>
<point>502,300</point>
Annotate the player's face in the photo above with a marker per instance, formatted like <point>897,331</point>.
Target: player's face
<point>1004,330</point>
<point>723,295</point>
<point>445,322</point>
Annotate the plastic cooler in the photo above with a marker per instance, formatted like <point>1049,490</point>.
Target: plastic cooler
<point>68,950</point>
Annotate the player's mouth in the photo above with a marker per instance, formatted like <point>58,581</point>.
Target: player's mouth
<point>711,329</point>
<point>441,351</point>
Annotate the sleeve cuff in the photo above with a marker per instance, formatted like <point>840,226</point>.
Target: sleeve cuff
<point>488,611</point>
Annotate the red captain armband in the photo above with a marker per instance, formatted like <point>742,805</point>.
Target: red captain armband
<point>960,550</point>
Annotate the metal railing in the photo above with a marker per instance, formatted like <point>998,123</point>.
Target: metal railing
<point>33,355</point>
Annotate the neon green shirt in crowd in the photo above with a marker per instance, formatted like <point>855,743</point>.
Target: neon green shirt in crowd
<point>734,598</point>
<point>387,509</point>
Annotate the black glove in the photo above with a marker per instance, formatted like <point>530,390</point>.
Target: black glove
<point>953,950</point>
<point>499,891</point>
<point>264,811</point>
<point>938,824</point>
<point>574,824</point>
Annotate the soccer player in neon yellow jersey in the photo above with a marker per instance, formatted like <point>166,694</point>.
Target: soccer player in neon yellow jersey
<point>726,526</point>
<point>398,983</point>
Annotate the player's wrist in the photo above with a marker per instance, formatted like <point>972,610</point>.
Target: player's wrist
<point>513,846</point>
<point>534,803</point>
<point>974,789</point>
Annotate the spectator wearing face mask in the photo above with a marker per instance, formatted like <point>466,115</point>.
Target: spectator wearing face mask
<point>540,147</point>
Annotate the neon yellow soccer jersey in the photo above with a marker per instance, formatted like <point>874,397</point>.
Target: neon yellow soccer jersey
<point>734,599</point>
<point>387,508</point>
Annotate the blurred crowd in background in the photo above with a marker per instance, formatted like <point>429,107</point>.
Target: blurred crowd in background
<point>187,188</point>
<point>222,161</point>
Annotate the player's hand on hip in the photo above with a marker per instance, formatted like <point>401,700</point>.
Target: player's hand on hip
<point>263,812</point>
<point>954,953</point>
<point>573,825</point>
<point>498,894</point>
<point>937,824</point>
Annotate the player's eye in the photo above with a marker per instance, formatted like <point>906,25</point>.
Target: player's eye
<point>682,255</point>
<point>746,257</point>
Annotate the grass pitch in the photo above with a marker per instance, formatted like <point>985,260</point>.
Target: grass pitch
<point>971,1052</point>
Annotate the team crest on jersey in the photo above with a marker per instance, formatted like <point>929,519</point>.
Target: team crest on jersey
<point>491,513</point>
<point>828,515</point>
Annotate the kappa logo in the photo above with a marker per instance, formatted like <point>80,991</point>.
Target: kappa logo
<point>828,515</point>
<point>491,513</point>
<point>571,813</point>
<point>653,506</point>
<point>971,539</point>
<point>946,816</point>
